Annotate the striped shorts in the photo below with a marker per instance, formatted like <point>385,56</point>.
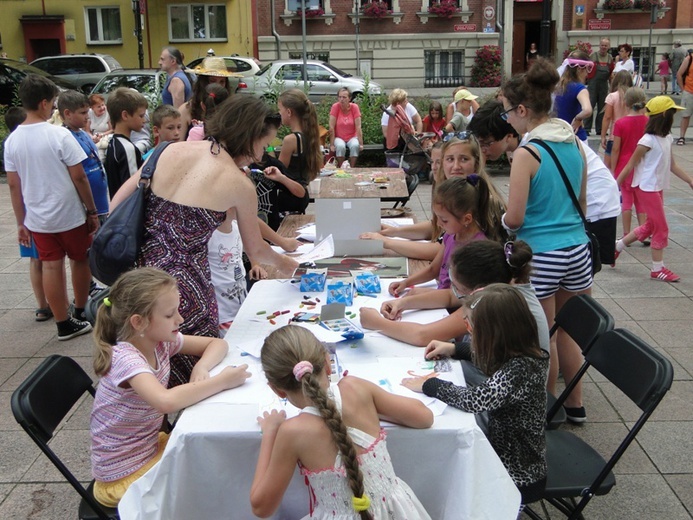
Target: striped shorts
<point>569,269</point>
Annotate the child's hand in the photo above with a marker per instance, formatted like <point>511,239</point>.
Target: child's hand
<point>397,289</point>
<point>371,236</point>
<point>370,317</point>
<point>257,273</point>
<point>384,229</point>
<point>270,421</point>
<point>415,383</point>
<point>438,349</point>
<point>234,376</point>
<point>392,310</point>
<point>273,173</point>
<point>290,245</point>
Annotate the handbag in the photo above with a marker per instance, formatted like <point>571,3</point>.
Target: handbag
<point>593,240</point>
<point>117,243</point>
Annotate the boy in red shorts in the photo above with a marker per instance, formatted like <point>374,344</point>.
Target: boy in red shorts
<point>52,201</point>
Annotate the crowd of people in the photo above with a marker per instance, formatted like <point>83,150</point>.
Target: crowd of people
<point>504,268</point>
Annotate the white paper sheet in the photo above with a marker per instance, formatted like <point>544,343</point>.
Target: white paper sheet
<point>307,232</point>
<point>322,250</point>
<point>302,249</point>
<point>397,222</point>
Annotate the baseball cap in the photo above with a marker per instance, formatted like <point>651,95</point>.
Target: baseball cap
<point>464,94</point>
<point>660,104</point>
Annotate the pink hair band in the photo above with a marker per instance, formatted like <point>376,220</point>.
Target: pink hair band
<point>302,368</point>
<point>574,62</point>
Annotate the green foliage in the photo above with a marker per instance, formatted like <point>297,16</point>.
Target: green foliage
<point>486,71</point>
<point>4,132</point>
<point>585,47</point>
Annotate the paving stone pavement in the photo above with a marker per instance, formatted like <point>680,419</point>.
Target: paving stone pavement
<point>654,478</point>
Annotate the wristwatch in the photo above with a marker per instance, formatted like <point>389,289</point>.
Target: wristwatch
<point>92,213</point>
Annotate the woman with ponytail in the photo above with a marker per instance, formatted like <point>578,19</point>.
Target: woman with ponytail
<point>338,425</point>
<point>136,334</point>
<point>300,149</point>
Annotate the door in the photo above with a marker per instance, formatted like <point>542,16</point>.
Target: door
<point>518,64</point>
<point>45,47</point>
<point>322,82</point>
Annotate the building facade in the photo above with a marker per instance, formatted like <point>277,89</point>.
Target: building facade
<point>30,29</point>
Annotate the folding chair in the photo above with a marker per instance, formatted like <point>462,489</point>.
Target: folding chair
<point>584,320</point>
<point>41,402</point>
<point>575,469</point>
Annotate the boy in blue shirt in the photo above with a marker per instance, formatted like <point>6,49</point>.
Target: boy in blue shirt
<point>74,109</point>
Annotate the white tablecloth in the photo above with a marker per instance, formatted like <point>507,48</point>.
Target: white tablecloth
<point>209,463</point>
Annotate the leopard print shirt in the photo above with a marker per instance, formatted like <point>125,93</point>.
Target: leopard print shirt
<point>515,398</point>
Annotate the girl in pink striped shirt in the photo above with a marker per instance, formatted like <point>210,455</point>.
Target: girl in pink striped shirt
<point>136,334</point>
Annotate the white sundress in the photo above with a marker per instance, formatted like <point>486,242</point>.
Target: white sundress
<point>331,496</point>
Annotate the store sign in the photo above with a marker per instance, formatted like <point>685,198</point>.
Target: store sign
<point>599,25</point>
<point>465,27</point>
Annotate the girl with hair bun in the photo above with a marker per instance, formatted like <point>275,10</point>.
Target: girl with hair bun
<point>541,210</point>
<point>336,439</point>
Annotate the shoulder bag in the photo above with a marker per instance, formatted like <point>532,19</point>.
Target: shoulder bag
<point>593,240</point>
<point>117,243</point>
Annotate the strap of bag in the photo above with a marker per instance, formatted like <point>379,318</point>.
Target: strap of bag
<point>546,147</point>
<point>150,165</point>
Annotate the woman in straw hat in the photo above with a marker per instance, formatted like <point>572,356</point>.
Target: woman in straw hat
<point>211,70</point>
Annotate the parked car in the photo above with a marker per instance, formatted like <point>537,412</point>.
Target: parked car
<point>13,72</point>
<point>84,70</point>
<point>149,82</point>
<point>323,79</point>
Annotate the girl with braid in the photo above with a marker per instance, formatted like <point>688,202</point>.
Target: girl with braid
<point>338,425</point>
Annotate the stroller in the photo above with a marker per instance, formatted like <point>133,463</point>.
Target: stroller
<point>412,158</point>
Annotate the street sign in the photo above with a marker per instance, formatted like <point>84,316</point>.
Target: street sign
<point>489,12</point>
<point>465,27</point>
<point>595,24</point>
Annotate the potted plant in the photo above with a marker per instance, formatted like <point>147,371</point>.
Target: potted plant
<point>613,5</point>
<point>486,71</point>
<point>376,9</point>
<point>311,13</point>
<point>647,5</point>
<point>585,47</point>
<point>443,8</point>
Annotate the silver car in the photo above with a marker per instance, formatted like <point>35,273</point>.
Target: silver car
<point>323,80</point>
<point>149,82</point>
<point>84,70</point>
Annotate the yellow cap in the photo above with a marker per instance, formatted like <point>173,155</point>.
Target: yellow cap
<point>660,104</point>
<point>464,94</point>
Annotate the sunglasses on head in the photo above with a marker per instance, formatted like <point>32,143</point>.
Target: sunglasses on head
<point>465,135</point>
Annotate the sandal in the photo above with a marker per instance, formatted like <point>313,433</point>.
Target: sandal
<point>681,141</point>
<point>44,314</point>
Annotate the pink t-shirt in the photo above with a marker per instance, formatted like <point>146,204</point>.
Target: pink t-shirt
<point>449,245</point>
<point>620,109</point>
<point>630,129</point>
<point>345,126</point>
<point>124,427</point>
<point>196,133</point>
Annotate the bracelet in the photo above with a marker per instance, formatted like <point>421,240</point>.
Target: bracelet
<point>92,213</point>
<point>508,229</point>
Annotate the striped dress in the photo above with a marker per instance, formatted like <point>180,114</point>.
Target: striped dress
<point>124,428</point>
<point>175,241</point>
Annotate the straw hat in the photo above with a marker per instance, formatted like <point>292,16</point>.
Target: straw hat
<point>211,66</point>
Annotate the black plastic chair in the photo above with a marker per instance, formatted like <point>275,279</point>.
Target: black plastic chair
<point>584,320</point>
<point>575,469</point>
<point>41,402</point>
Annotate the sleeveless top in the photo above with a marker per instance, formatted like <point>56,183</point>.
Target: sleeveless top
<point>166,96</point>
<point>329,490</point>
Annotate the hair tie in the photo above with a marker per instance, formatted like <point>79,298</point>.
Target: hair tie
<point>362,503</point>
<point>212,95</point>
<point>509,249</point>
<point>637,106</point>
<point>473,179</point>
<point>107,302</point>
<point>302,368</point>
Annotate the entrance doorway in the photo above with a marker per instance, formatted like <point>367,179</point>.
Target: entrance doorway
<point>526,30</point>
<point>45,47</point>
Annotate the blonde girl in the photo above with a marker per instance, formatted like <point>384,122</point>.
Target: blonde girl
<point>137,332</point>
<point>653,162</point>
<point>615,109</point>
<point>300,149</point>
<point>572,101</point>
<point>336,440</point>
<point>506,348</point>
<point>461,156</point>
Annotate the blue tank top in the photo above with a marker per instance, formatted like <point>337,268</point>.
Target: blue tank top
<point>567,106</point>
<point>166,96</point>
<point>551,219</point>
<point>93,168</point>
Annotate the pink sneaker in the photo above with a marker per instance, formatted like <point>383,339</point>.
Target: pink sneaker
<point>664,275</point>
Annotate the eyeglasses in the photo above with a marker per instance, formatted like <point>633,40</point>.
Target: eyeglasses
<point>504,114</point>
<point>464,135</point>
<point>456,293</point>
<point>486,144</point>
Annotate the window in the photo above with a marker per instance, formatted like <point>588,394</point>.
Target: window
<point>103,25</point>
<point>320,56</point>
<point>443,68</point>
<point>197,22</point>
<point>318,73</point>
